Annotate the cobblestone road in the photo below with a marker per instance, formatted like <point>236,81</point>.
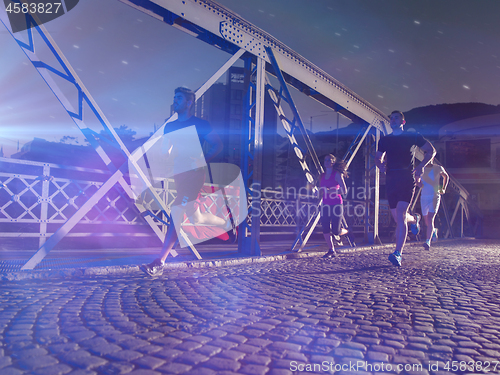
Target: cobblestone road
<point>295,316</point>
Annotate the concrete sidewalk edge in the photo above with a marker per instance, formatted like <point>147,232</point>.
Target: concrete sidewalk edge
<point>107,270</point>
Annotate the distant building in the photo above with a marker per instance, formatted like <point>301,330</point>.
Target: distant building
<point>470,150</point>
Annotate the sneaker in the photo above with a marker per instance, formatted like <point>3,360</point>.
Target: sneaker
<point>338,240</point>
<point>435,235</point>
<point>330,254</point>
<point>155,268</point>
<point>415,227</point>
<point>426,245</point>
<point>395,258</point>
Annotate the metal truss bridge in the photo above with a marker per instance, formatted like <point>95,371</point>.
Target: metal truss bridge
<point>55,205</point>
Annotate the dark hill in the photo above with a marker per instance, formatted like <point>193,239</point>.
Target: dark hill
<point>428,120</point>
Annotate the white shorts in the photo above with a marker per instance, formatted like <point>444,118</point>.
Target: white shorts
<point>429,203</point>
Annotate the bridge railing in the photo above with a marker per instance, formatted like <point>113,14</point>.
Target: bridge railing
<point>36,198</point>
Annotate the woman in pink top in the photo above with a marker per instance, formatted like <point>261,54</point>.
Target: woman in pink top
<point>332,185</point>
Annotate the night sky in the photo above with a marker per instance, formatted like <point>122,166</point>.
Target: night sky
<point>395,54</point>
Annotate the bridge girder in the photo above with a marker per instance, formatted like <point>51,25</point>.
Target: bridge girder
<point>214,24</point>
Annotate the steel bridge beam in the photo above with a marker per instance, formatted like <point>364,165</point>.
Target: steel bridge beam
<point>224,29</point>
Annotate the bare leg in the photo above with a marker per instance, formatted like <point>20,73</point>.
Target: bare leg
<point>429,221</point>
<point>169,243</point>
<point>176,216</point>
<point>400,215</point>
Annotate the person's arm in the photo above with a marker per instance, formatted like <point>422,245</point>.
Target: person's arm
<point>340,179</point>
<point>214,146</point>
<point>429,153</point>
<point>379,161</point>
<point>446,179</point>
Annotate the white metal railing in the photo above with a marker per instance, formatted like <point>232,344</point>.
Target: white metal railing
<point>34,195</point>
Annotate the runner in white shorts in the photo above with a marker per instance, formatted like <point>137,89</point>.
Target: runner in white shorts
<point>430,196</point>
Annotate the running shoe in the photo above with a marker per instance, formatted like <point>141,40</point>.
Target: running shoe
<point>153,269</point>
<point>426,245</point>
<point>330,254</point>
<point>395,258</point>
<point>337,240</point>
<point>415,227</point>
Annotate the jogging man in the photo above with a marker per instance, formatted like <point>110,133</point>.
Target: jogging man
<point>189,171</point>
<point>395,158</point>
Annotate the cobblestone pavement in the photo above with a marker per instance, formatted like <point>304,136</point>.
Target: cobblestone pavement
<point>354,314</point>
